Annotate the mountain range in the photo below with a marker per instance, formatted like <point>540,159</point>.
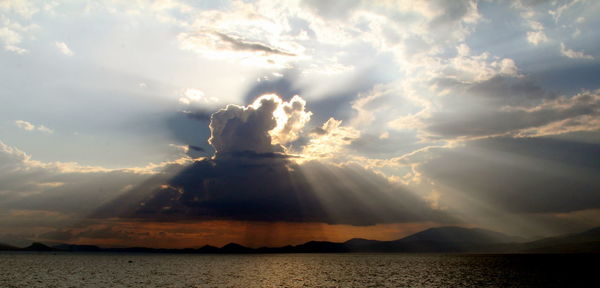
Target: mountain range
<point>433,240</point>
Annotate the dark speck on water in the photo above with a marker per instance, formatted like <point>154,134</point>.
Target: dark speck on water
<point>30,269</point>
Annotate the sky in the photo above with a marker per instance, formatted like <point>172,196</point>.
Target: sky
<point>183,123</point>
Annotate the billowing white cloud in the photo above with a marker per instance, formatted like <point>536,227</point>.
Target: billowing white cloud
<point>262,127</point>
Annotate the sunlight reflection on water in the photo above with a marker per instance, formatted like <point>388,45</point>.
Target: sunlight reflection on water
<point>287,270</point>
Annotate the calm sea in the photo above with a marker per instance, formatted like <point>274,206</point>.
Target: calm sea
<point>21,269</point>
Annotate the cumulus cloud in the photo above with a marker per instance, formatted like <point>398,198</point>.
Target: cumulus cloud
<point>30,127</point>
<point>262,127</point>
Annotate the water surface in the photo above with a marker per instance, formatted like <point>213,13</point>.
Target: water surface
<point>22,269</point>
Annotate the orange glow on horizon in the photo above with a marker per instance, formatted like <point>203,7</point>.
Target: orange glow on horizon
<point>219,233</point>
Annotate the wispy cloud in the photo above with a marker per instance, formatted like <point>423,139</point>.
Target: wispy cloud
<point>31,127</point>
<point>64,48</point>
<point>569,53</point>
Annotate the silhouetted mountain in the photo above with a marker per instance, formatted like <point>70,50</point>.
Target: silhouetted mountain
<point>6,247</point>
<point>235,248</point>
<point>36,246</point>
<point>442,239</point>
<point>584,242</point>
<point>434,240</point>
<point>207,249</point>
<point>459,235</point>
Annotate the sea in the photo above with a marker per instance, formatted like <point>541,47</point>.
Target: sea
<point>63,269</point>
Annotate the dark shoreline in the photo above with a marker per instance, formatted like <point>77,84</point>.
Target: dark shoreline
<point>444,240</point>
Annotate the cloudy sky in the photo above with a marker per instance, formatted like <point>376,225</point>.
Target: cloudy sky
<point>183,123</point>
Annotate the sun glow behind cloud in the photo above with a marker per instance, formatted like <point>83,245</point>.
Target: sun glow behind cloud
<point>381,102</point>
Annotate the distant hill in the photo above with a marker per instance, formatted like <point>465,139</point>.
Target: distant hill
<point>208,249</point>
<point>6,247</point>
<point>235,248</point>
<point>444,239</point>
<point>434,240</point>
<point>584,242</point>
<point>36,246</point>
<point>451,239</point>
<point>459,234</point>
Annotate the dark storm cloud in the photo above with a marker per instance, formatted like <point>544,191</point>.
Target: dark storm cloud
<point>275,190</point>
<point>250,178</point>
<point>523,174</point>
